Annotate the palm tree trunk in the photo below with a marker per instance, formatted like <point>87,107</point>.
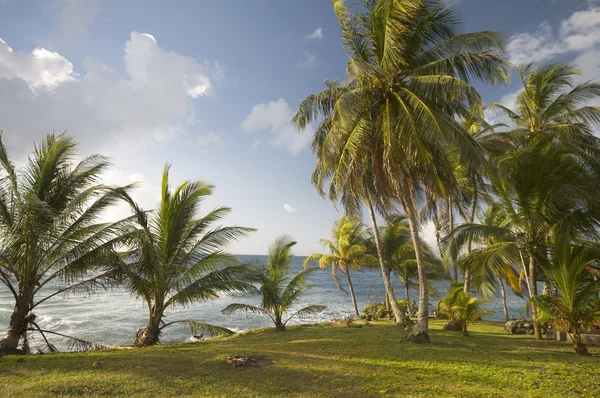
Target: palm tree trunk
<point>351,288</point>
<point>407,295</point>
<point>150,334</point>
<point>19,321</point>
<point>451,227</point>
<point>467,274</point>
<point>533,288</point>
<point>419,333</point>
<point>401,318</point>
<point>503,294</point>
<point>578,346</point>
<point>279,326</point>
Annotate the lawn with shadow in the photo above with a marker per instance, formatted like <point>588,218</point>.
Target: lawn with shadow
<point>320,360</point>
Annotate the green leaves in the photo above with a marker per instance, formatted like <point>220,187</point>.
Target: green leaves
<point>278,289</point>
<point>176,258</point>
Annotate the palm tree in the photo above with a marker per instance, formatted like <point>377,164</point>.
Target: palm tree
<point>468,310</point>
<point>495,262</point>
<point>541,186</point>
<point>551,109</point>
<point>399,255</point>
<point>279,290</point>
<point>49,232</point>
<point>347,250</point>
<point>177,257</point>
<point>551,106</point>
<point>409,74</point>
<point>574,273</point>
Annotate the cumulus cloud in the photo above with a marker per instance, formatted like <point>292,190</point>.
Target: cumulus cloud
<point>579,32</point>
<point>101,106</point>
<point>38,68</point>
<point>317,34</point>
<point>578,35</point>
<point>289,208</point>
<point>274,118</point>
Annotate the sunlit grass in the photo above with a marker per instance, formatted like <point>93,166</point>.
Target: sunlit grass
<point>321,360</point>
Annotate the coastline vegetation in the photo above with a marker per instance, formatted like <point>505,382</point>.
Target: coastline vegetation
<point>403,140</point>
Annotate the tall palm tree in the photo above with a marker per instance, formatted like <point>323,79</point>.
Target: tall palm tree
<point>50,233</point>
<point>347,251</point>
<point>550,109</point>
<point>177,257</point>
<point>362,192</point>
<point>409,74</point>
<point>552,106</point>
<point>279,290</point>
<point>496,261</point>
<point>399,255</point>
<point>539,187</point>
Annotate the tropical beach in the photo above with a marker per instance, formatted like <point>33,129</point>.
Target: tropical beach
<point>423,222</point>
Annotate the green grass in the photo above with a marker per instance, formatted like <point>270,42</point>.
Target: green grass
<point>320,360</point>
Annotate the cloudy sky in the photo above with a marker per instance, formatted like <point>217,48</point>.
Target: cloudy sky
<point>210,86</point>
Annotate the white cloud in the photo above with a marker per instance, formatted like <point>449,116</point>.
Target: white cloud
<point>144,194</point>
<point>155,98</point>
<point>309,61</point>
<point>317,34</point>
<point>209,139</point>
<point>579,32</point>
<point>275,118</point>
<point>289,208</point>
<point>38,68</point>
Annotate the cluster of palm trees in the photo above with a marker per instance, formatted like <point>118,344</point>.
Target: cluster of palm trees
<point>53,243</point>
<point>353,246</point>
<point>407,131</point>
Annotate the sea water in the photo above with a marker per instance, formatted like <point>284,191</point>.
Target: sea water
<point>113,317</point>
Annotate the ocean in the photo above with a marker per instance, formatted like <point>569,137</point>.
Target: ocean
<point>113,317</point>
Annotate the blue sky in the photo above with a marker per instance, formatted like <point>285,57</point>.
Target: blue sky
<point>210,86</point>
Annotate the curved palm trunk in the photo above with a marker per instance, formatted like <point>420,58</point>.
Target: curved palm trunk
<point>533,291</point>
<point>351,288</point>
<point>419,333</point>
<point>467,274</point>
<point>19,321</point>
<point>503,294</point>
<point>400,316</point>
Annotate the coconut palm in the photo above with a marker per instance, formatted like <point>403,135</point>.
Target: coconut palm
<point>347,251</point>
<point>468,310</point>
<point>50,233</point>
<point>409,74</point>
<point>399,255</point>
<point>539,187</point>
<point>496,262</point>
<point>278,288</point>
<point>177,258</point>
<point>552,106</point>
<point>574,273</point>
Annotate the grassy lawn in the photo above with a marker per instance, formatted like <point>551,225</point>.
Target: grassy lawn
<point>321,360</point>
